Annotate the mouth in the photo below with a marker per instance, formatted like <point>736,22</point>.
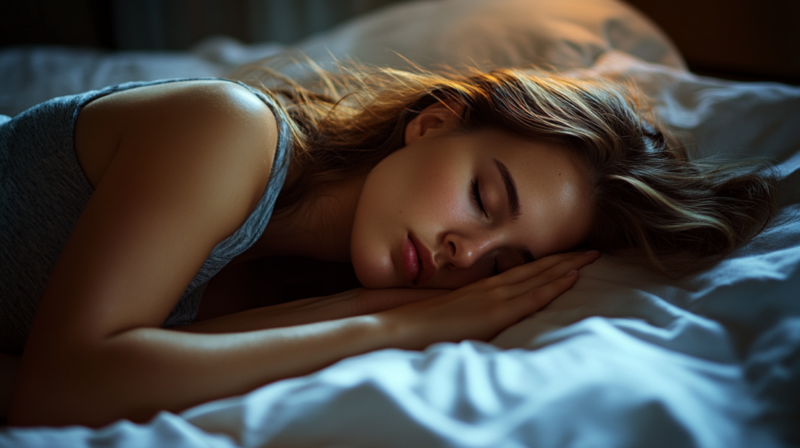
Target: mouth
<point>411,265</point>
<point>417,261</point>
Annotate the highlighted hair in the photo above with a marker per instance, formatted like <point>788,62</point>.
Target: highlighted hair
<point>650,200</point>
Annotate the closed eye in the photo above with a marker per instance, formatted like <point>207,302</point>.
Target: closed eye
<point>476,197</point>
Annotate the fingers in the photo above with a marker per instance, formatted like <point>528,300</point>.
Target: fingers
<point>542,289</point>
<point>537,298</point>
<point>561,268</point>
<point>526,277</point>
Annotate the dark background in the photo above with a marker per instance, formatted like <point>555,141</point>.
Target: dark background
<point>735,39</point>
<point>169,24</point>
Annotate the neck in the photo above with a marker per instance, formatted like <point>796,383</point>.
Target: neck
<point>319,229</point>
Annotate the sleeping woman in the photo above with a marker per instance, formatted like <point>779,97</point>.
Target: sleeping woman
<point>149,230</point>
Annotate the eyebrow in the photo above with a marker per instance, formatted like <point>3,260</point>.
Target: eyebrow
<point>511,189</point>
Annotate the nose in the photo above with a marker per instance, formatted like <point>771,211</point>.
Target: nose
<point>464,251</point>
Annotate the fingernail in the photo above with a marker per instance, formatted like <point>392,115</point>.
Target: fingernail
<point>591,252</point>
<point>570,273</point>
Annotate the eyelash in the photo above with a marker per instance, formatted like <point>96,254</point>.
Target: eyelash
<point>476,199</point>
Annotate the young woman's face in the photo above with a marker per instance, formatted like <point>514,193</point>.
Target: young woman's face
<point>452,208</point>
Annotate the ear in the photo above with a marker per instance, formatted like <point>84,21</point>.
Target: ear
<point>438,116</point>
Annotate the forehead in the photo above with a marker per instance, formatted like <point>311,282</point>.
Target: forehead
<point>553,188</point>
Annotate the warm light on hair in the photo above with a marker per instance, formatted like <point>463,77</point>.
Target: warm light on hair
<point>650,200</point>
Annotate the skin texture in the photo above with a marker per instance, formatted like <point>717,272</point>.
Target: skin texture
<point>179,167</point>
<point>425,189</point>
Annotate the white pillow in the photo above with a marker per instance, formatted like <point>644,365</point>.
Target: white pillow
<point>561,34</point>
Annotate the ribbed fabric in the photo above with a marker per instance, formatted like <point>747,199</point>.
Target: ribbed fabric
<point>43,191</point>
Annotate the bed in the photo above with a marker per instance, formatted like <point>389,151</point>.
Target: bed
<point>626,358</point>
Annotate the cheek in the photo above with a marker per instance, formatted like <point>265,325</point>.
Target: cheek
<point>441,191</point>
<point>426,197</point>
<point>372,236</point>
<point>440,201</point>
<point>373,270</point>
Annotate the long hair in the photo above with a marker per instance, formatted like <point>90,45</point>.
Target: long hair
<point>650,200</point>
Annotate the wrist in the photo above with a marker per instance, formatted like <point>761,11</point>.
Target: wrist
<point>396,331</point>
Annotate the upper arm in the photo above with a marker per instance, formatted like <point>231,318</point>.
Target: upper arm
<point>191,163</point>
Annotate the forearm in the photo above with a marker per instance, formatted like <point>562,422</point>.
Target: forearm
<point>317,309</point>
<point>136,373</point>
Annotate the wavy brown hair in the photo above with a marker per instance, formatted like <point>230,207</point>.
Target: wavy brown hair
<point>650,200</point>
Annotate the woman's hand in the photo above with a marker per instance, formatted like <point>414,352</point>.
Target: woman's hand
<point>483,309</point>
<point>478,311</point>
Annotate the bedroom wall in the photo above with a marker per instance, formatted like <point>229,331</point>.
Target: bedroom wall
<point>738,39</point>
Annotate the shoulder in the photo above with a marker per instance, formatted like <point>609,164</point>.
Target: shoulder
<point>221,100</point>
<point>214,129</point>
<point>223,136</point>
<point>181,166</point>
<point>216,102</point>
<point>217,116</point>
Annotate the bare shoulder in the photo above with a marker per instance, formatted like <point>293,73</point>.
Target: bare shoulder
<point>220,102</point>
<point>210,115</point>
<point>177,168</point>
<point>211,95</point>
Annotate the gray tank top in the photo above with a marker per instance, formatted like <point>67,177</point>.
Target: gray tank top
<point>43,191</point>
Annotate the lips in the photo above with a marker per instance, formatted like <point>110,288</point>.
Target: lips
<point>417,261</point>
<point>410,260</point>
